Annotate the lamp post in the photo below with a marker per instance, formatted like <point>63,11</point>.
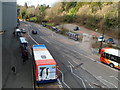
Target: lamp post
<point>102,38</point>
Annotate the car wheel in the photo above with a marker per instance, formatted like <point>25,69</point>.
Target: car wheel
<point>111,65</point>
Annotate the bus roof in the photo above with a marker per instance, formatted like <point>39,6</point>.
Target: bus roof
<point>23,40</point>
<point>112,51</point>
<point>42,55</point>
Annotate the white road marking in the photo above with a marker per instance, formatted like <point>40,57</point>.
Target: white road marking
<point>90,85</point>
<point>75,62</point>
<point>63,79</point>
<point>115,78</point>
<point>32,39</point>
<point>76,75</point>
<point>71,64</point>
<point>108,66</point>
<point>100,77</point>
<point>45,39</point>
<point>60,84</point>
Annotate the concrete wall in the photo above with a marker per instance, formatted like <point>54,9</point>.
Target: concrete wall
<point>9,15</point>
<point>0,16</point>
<point>9,21</point>
<point>0,45</point>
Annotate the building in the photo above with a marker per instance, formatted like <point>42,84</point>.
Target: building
<point>8,14</point>
<point>8,21</point>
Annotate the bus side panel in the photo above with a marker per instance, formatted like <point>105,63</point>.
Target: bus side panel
<point>103,59</point>
<point>46,72</point>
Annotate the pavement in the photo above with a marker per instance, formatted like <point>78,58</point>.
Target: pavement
<point>1,61</point>
<point>11,56</point>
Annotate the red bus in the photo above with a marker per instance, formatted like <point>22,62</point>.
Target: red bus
<point>45,67</point>
<point>111,57</point>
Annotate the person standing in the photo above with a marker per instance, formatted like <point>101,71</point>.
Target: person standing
<point>13,69</point>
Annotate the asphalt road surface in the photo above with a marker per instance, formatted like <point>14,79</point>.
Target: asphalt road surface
<point>77,67</point>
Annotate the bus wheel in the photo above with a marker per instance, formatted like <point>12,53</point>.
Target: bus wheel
<point>111,65</point>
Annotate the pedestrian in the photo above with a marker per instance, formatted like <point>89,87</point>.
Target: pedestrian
<point>25,54</point>
<point>13,69</point>
<point>14,33</point>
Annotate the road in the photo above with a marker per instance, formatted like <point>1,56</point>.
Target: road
<point>77,68</point>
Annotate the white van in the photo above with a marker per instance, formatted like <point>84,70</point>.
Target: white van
<point>101,39</point>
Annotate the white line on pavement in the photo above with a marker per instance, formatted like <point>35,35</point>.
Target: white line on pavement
<point>32,39</point>
<point>71,64</point>
<point>115,78</point>
<point>45,40</point>
<point>75,62</point>
<point>90,85</point>
<point>60,83</point>
<point>76,75</point>
<point>63,79</point>
<point>100,77</point>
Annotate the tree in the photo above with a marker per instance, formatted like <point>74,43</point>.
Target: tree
<point>22,12</point>
<point>25,5</point>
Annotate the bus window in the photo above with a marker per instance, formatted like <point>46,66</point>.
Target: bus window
<point>112,57</point>
<point>103,54</point>
<point>107,56</point>
<point>118,58</point>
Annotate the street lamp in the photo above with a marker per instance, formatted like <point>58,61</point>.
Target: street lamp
<point>102,38</point>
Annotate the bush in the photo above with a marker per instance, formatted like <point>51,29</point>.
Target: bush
<point>33,19</point>
<point>68,18</point>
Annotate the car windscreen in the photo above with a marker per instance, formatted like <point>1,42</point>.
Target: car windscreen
<point>100,37</point>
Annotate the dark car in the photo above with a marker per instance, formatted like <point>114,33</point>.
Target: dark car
<point>34,32</point>
<point>76,28</point>
<point>23,30</point>
<point>43,25</point>
<point>110,40</point>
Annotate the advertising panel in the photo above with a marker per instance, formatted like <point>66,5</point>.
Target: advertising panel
<point>46,72</point>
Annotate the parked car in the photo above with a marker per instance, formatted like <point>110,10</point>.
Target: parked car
<point>55,29</point>
<point>101,39</point>
<point>76,28</point>
<point>23,30</point>
<point>18,32</point>
<point>44,25</point>
<point>110,40</point>
<point>34,32</point>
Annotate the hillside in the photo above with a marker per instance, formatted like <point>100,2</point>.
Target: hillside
<point>101,16</point>
<point>93,15</point>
